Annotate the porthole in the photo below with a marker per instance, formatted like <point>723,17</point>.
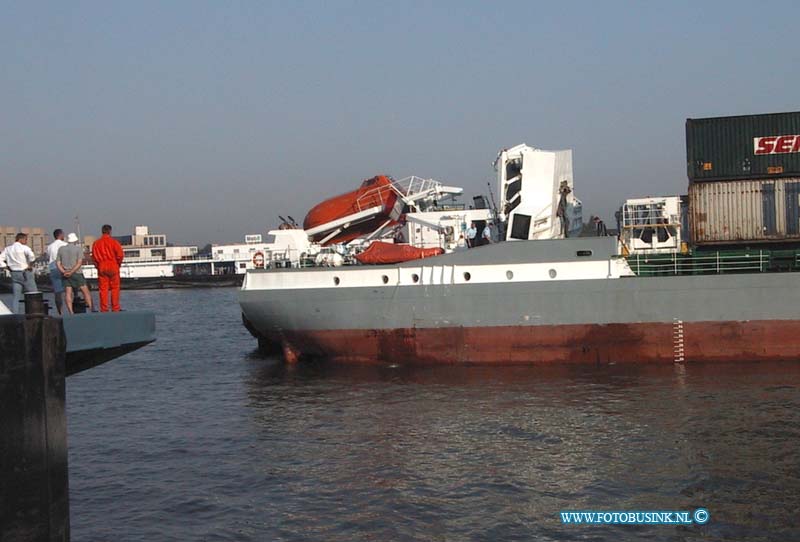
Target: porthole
<point>553,273</point>
<point>336,281</point>
<point>415,277</point>
<point>509,274</point>
<point>385,279</point>
<point>467,276</point>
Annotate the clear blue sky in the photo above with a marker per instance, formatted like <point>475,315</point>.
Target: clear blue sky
<point>206,120</point>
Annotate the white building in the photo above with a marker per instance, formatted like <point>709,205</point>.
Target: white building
<point>144,246</point>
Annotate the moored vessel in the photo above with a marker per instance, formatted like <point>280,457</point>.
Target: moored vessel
<point>537,293</point>
<point>566,301</point>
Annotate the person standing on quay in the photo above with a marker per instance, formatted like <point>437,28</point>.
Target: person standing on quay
<point>19,259</point>
<point>107,255</point>
<point>69,261</point>
<point>56,278</point>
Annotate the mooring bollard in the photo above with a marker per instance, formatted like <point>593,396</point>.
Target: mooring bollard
<point>35,304</point>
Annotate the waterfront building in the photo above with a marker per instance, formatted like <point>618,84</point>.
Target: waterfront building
<point>37,238</point>
<point>145,246</point>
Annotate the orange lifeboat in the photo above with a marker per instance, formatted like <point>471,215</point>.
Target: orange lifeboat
<point>385,253</point>
<point>373,193</point>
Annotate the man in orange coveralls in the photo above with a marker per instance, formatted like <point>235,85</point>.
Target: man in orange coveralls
<point>107,254</point>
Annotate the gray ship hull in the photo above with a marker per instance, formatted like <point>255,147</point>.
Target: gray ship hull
<point>518,317</point>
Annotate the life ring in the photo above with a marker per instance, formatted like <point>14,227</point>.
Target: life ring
<point>258,260</point>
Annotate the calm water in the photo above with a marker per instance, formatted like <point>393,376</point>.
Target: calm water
<point>197,437</point>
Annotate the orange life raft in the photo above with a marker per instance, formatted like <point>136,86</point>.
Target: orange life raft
<point>384,253</point>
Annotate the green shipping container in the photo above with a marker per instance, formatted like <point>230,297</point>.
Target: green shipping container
<point>743,147</point>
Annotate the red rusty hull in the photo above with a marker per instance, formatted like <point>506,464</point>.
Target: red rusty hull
<point>753,341</point>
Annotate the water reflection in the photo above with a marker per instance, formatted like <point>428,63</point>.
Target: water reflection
<point>197,437</point>
<point>510,447</point>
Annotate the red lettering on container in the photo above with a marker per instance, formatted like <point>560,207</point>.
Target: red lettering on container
<point>765,145</point>
<point>784,144</point>
<point>776,144</point>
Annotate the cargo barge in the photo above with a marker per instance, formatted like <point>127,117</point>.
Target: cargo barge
<point>538,294</point>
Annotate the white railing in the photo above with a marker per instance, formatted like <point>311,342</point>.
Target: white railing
<point>415,185</point>
<point>715,263</point>
<point>645,215</point>
<point>404,188</point>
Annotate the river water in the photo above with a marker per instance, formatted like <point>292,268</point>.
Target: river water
<point>198,437</point>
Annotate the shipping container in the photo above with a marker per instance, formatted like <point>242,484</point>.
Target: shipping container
<point>744,147</point>
<point>746,211</point>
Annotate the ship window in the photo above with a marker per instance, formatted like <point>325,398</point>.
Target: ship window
<point>520,226</point>
<point>467,276</point>
<point>584,253</point>
<point>513,168</point>
<point>513,189</point>
<point>553,273</point>
<point>415,277</point>
<point>509,275</point>
<point>512,205</point>
<point>385,279</point>
<point>336,281</point>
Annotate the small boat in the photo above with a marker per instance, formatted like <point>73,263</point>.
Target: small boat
<point>348,216</point>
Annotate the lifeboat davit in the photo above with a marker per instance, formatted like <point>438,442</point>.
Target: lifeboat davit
<point>375,194</point>
<point>384,253</point>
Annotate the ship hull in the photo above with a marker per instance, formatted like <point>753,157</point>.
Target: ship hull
<point>149,283</point>
<point>514,305</point>
<point>589,344</point>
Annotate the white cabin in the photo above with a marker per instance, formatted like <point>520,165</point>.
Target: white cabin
<point>652,225</point>
<point>536,194</point>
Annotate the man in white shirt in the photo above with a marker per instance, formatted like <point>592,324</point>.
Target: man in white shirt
<point>56,278</point>
<point>472,232</point>
<point>487,234</point>
<point>19,258</point>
